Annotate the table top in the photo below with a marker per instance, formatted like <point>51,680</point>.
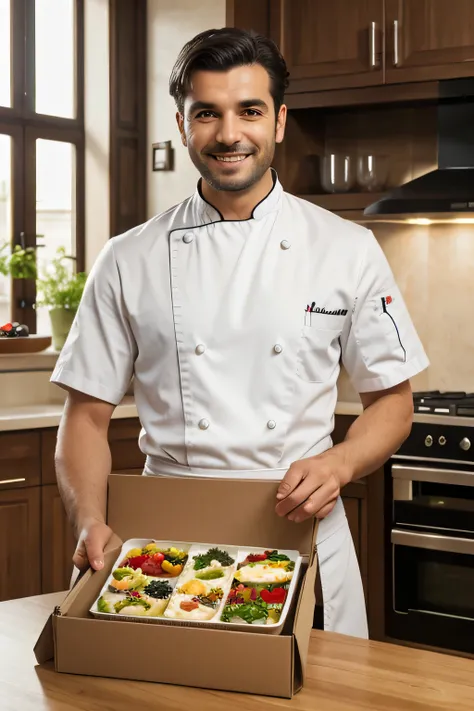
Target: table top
<point>343,674</point>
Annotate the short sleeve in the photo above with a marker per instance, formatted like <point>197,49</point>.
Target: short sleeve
<point>381,348</point>
<point>98,356</point>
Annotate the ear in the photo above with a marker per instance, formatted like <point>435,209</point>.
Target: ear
<point>180,122</point>
<point>281,124</point>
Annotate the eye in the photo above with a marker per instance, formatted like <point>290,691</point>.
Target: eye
<point>205,114</point>
<point>252,113</point>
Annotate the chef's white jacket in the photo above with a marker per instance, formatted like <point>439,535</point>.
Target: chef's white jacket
<point>235,331</point>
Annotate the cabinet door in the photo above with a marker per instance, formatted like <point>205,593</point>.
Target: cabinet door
<point>330,45</point>
<point>58,542</point>
<point>20,543</point>
<point>429,39</point>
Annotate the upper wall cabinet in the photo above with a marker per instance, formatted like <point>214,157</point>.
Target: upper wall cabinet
<point>343,44</point>
<point>429,39</point>
<point>330,45</point>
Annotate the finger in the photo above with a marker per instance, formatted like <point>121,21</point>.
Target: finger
<point>79,558</point>
<point>297,497</point>
<point>314,503</point>
<point>95,543</point>
<point>326,510</point>
<point>290,481</point>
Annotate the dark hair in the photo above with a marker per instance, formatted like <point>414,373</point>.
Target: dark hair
<point>224,49</point>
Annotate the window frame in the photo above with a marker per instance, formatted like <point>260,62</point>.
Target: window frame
<point>25,125</point>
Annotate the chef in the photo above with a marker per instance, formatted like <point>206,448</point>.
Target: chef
<point>234,311</point>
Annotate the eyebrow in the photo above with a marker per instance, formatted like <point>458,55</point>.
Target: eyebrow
<point>246,104</point>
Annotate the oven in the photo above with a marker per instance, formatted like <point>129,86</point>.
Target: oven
<point>430,536</point>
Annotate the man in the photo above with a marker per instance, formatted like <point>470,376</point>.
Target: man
<point>233,311</point>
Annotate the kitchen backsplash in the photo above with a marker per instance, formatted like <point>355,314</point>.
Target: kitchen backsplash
<point>434,268</point>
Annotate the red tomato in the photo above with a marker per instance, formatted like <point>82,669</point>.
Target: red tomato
<point>151,567</point>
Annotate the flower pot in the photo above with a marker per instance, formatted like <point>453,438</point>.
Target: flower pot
<point>61,322</point>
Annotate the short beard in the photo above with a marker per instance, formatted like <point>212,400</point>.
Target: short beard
<point>236,185</point>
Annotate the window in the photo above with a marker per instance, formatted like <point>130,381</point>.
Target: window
<point>41,141</point>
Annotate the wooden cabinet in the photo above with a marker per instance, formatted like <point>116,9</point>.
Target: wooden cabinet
<point>36,539</point>
<point>329,45</point>
<point>429,39</point>
<point>19,459</point>
<point>346,44</point>
<point>57,542</point>
<point>20,536</point>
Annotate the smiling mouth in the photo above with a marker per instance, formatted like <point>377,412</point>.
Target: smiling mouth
<point>230,159</point>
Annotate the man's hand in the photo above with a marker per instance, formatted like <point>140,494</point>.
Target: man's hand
<point>311,486</point>
<point>93,538</point>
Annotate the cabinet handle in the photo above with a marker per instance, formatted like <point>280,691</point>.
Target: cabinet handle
<point>396,58</point>
<point>372,45</point>
<point>12,481</point>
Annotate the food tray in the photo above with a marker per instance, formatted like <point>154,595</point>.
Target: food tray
<point>204,590</point>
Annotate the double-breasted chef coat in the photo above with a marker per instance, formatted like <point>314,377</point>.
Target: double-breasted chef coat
<point>234,332</point>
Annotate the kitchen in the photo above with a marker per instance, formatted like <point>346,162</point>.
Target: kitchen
<point>374,91</point>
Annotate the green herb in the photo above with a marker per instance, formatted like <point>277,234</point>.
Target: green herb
<point>121,573</point>
<point>204,559</point>
<point>59,286</point>
<point>276,557</point>
<point>250,612</point>
<point>158,589</point>
<point>103,605</point>
<point>212,574</point>
<point>131,602</point>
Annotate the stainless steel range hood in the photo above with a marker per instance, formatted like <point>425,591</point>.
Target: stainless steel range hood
<point>450,188</point>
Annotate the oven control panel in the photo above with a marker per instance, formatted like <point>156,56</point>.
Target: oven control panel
<point>442,442</point>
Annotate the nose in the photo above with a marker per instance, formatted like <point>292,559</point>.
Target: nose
<point>228,131</point>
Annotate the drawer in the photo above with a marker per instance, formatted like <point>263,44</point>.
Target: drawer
<point>20,460</point>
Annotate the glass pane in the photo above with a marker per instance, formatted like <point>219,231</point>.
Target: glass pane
<point>54,57</point>
<point>5,61</point>
<point>5,221</point>
<point>55,209</point>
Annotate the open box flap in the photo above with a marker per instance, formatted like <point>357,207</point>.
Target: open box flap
<point>226,511</point>
<point>44,647</point>
<point>304,616</point>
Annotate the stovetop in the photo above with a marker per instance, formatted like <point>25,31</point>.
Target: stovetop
<point>444,403</point>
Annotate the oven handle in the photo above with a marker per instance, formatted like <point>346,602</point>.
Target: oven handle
<point>436,476</point>
<point>433,542</point>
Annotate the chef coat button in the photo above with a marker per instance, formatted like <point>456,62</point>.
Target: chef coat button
<point>200,349</point>
<point>277,348</point>
<point>271,424</point>
<point>285,244</point>
<point>203,424</point>
<point>188,237</point>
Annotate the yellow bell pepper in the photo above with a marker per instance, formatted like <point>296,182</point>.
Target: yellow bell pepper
<point>173,570</point>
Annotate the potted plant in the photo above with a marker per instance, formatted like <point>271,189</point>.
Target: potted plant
<point>19,262</point>
<point>60,289</point>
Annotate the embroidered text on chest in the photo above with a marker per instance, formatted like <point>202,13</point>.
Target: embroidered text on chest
<point>313,309</point>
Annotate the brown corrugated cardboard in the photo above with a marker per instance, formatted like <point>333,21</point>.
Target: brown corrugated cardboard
<point>226,511</point>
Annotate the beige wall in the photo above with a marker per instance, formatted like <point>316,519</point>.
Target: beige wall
<point>434,267</point>
<point>171,23</point>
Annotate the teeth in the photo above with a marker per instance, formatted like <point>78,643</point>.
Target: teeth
<point>230,159</point>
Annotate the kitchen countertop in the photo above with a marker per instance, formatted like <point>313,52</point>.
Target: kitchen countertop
<point>343,674</point>
<point>26,417</point>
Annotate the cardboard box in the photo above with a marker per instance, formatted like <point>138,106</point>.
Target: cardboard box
<point>232,512</point>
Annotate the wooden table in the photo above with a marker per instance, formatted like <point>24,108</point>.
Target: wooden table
<point>344,674</point>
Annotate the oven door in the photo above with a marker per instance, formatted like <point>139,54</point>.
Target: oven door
<point>433,590</point>
<point>439,499</point>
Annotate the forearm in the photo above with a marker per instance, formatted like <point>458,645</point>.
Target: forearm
<point>376,434</point>
<point>83,463</point>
